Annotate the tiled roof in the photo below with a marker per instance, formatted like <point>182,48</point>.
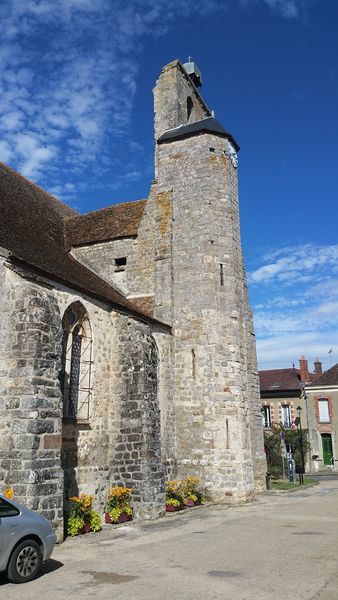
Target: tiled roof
<point>144,303</point>
<point>329,377</point>
<point>32,230</point>
<point>279,380</point>
<point>117,221</point>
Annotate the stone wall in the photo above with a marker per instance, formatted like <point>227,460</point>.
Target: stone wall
<point>30,424</point>
<point>101,257</point>
<point>48,458</point>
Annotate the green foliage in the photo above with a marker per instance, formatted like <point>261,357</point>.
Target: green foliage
<point>118,496</point>
<point>183,490</point>
<point>74,524</point>
<point>95,521</point>
<point>292,437</point>
<point>80,513</point>
<point>116,512</point>
<point>273,450</point>
<point>173,502</point>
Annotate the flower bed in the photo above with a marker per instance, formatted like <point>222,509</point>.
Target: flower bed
<point>80,517</point>
<point>183,493</point>
<point>118,505</point>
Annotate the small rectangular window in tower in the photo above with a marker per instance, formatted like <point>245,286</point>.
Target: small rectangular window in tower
<point>221,274</point>
<point>120,264</point>
<point>212,149</point>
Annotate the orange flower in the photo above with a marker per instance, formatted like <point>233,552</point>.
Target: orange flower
<point>9,493</point>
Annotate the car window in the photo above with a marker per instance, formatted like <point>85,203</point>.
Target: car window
<point>7,509</point>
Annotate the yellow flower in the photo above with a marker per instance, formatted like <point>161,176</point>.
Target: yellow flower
<point>9,493</point>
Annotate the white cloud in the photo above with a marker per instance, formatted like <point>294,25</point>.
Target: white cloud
<point>32,154</point>
<point>68,76</point>
<point>296,262</point>
<point>287,8</point>
<point>6,153</point>
<point>296,303</point>
<point>282,351</point>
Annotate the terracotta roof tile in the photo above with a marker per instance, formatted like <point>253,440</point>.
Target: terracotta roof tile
<point>144,303</point>
<point>329,377</point>
<point>32,230</point>
<point>117,221</point>
<point>279,380</point>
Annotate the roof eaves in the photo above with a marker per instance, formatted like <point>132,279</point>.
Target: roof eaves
<point>125,309</point>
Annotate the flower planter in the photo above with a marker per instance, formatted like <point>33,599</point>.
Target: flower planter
<point>171,508</point>
<point>189,502</point>
<point>123,518</point>
<point>86,528</point>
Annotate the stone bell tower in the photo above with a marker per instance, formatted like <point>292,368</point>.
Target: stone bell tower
<point>200,287</point>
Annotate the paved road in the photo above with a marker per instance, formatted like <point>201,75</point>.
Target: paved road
<point>279,547</point>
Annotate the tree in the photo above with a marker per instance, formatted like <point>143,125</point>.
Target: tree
<point>273,448</point>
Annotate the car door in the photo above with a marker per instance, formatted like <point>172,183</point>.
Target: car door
<point>9,530</point>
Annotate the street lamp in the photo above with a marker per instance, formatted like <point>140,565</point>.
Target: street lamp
<point>302,469</point>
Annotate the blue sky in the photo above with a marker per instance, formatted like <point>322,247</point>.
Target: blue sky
<point>76,117</point>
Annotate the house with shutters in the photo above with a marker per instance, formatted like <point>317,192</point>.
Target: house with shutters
<point>322,401</point>
<point>282,391</point>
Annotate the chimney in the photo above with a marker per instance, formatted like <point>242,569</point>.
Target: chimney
<point>304,369</point>
<point>318,368</point>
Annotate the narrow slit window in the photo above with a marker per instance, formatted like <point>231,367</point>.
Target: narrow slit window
<point>221,274</point>
<point>193,363</point>
<point>190,105</point>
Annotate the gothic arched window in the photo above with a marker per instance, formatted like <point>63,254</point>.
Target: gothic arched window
<point>76,362</point>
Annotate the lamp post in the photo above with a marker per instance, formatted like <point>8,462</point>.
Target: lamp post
<point>302,469</point>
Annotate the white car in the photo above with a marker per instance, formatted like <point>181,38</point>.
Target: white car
<point>26,540</point>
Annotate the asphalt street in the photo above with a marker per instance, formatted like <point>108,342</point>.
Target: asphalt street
<point>282,546</point>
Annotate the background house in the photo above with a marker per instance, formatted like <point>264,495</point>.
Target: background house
<point>322,401</point>
<point>282,392</point>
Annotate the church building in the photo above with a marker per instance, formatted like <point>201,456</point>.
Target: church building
<point>127,346</point>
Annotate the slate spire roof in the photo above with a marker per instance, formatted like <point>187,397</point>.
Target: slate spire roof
<point>207,125</point>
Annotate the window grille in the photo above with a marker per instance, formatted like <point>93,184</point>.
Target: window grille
<point>77,363</point>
